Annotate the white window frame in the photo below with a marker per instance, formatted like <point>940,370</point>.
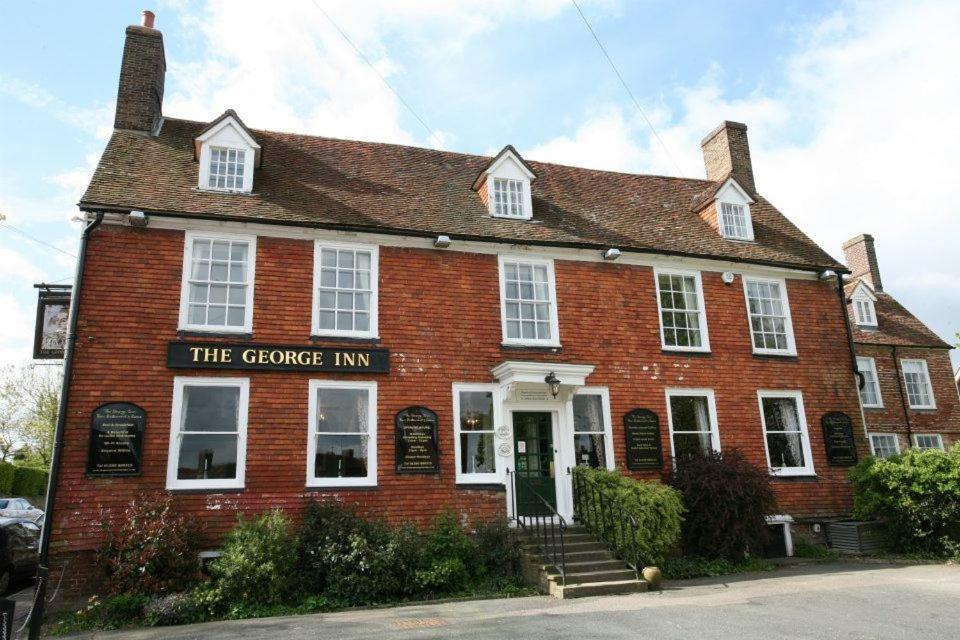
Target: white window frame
<point>176,416</point>
<point>227,134</point>
<point>510,167</point>
<point>747,220</point>
<point>374,250</point>
<point>797,396</point>
<point>939,438</point>
<point>608,449</point>
<point>927,381</point>
<point>476,478</point>
<point>791,349</point>
<point>711,410</point>
<point>868,364</point>
<point>554,340</point>
<point>733,194</point>
<point>702,312</point>
<point>371,478</point>
<point>188,240</point>
<point>522,185</point>
<point>873,447</point>
<point>858,312</point>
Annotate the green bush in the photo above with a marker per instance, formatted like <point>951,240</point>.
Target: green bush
<point>29,481</point>
<point>656,508</point>
<point>258,561</point>
<point>6,478</point>
<point>149,548</point>
<point>498,563</point>
<point>447,552</point>
<point>687,567</point>
<point>727,500</point>
<point>917,497</point>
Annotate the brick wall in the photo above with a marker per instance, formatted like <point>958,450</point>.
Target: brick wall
<point>440,319</point>
<point>726,151</point>
<point>140,92</point>
<point>945,419</point>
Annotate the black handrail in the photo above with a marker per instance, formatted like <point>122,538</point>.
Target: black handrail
<point>607,519</point>
<point>547,530</point>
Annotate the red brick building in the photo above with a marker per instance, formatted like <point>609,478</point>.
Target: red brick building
<point>909,396</point>
<point>273,301</point>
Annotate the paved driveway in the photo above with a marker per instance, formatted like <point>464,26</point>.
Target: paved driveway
<point>843,600</point>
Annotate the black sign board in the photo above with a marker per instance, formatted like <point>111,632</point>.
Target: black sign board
<point>838,437</point>
<point>416,439</point>
<point>196,355</point>
<point>116,440</point>
<point>53,316</point>
<point>7,608</point>
<point>644,449</point>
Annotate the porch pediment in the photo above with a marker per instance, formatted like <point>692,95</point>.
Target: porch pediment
<point>525,381</point>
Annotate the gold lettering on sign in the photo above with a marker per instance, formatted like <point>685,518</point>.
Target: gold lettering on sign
<point>249,356</point>
<point>195,353</point>
<point>290,358</point>
<point>363,359</point>
<point>349,359</point>
<point>318,358</point>
<point>210,355</point>
<point>262,356</point>
<point>303,358</point>
<point>226,356</point>
<point>276,357</point>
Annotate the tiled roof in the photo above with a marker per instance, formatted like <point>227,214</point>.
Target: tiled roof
<point>332,183</point>
<point>895,325</point>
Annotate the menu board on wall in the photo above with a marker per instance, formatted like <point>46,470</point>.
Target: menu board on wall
<point>116,440</point>
<point>644,449</point>
<point>838,438</point>
<point>416,441</point>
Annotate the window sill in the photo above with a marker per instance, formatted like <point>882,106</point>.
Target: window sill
<point>482,486</point>
<point>876,408</point>
<point>924,409</point>
<point>198,333</point>
<point>795,477</point>
<point>205,490</point>
<point>313,488</point>
<point>371,340</point>
<point>546,348</point>
<point>783,357</point>
<point>700,353</point>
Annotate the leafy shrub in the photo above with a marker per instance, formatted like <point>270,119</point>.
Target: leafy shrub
<point>498,554</point>
<point>916,495</point>
<point>687,567</point>
<point>150,549</point>
<point>447,552</point>
<point>805,549</point>
<point>29,481</point>
<point>6,478</point>
<point>656,508</point>
<point>727,500</point>
<point>257,562</point>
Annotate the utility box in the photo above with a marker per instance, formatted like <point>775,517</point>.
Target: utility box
<point>854,536</point>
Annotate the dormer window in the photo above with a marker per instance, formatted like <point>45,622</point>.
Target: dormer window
<point>864,309</point>
<point>732,206</point>
<point>504,186</point>
<point>733,221</point>
<point>227,154</point>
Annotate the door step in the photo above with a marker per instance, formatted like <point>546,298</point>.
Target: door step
<point>613,587</point>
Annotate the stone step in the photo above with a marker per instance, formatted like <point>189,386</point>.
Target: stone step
<point>590,577</point>
<point>584,556</point>
<point>570,547</point>
<point>594,565</point>
<point>612,587</point>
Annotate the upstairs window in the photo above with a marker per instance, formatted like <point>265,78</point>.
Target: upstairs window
<point>226,168</point>
<point>217,293</point>
<point>508,198</point>
<point>345,290</point>
<point>864,311</point>
<point>884,445</point>
<point>870,394</point>
<point>769,313</point>
<point>917,380</point>
<point>733,221</point>
<point>683,322</point>
<point>528,302</point>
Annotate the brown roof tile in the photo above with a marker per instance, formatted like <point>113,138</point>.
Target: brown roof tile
<point>895,325</point>
<point>326,182</point>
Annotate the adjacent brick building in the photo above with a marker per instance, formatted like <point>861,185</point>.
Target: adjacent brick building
<point>275,302</point>
<point>909,395</point>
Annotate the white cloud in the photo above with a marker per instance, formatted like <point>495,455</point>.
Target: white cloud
<point>96,120</point>
<point>16,330</point>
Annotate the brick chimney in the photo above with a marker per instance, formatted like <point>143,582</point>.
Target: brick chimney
<point>140,94</point>
<point>861,258</point>
<point>726,152</point>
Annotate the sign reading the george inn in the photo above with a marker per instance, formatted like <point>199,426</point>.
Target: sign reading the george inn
<point>196,355</point>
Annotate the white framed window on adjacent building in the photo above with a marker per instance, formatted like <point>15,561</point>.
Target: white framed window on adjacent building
<point>864,309</point>
<point>870,395</point>
<point>768,311</point>
<point>342,434</point>
<point>474,427</point>
<point>785,433</point>
<point>592,439</point>
<point>683,318</point>
<point>345,290</point>
<point>217,283</point>
<point>692,417</point>
<point>916,377</point>
<point>208,433</point>
<point>528,302</point>
<point>884,445</point>
<point>928,441</point>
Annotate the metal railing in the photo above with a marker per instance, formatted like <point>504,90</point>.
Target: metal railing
<point>607,519</point>
<point>547,529</point>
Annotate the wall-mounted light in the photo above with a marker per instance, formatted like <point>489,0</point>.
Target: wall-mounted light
<point>138,219</point>
<point>554,383</point>
<point>727,277</point>
<point>611,254</point>
<point>442,242</point>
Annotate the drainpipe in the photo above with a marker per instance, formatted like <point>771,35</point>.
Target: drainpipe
<point>903,396</point>
<point>861,380</point>
<point>43,570</point>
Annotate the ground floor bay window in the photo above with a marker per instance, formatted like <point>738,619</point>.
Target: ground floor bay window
<point>785,433</point>
<point>208,433</point>
<point>342,442</point>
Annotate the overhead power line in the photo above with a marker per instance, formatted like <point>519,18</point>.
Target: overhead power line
<point>35,239</point>
<point>430,132</point>
<point>636,103</point>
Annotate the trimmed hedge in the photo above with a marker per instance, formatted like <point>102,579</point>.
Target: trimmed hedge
<point>657,509</point>
<point>7,471</point>
<point>29,481</point>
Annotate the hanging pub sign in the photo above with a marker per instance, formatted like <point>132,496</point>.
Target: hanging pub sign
<point>196,355</point>
<point>644,449</point>
<point>116,440</point>
<point>416,441</point>
<point>53,315</point>
<point>838,438</point>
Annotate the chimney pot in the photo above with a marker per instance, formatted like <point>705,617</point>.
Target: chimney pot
<point>147,20</point>
<point>726,153</point>
<point>861,259</point>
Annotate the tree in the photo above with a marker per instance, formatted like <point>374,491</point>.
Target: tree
<point>29,403</point>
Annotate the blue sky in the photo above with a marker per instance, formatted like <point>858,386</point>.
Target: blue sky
<point>851,106</point>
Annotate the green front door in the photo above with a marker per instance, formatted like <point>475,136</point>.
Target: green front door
<point>533,451</point>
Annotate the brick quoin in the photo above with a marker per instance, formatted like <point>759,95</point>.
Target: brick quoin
<point>440,318</point>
